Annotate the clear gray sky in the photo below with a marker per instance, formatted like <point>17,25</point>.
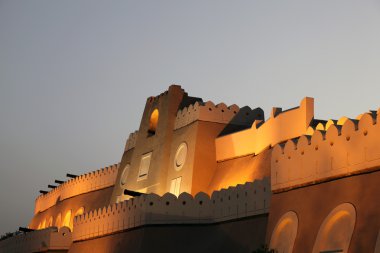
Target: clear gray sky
<point>74,75</point>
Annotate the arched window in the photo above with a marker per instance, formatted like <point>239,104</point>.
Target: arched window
<point>285,232</point>
<point>80,211</point>
<point>336,230</point>
<point>43,224</point>
<point>67,221</point>
<point>50,222</point>
<point>58,220</point>
<point>153,122</point>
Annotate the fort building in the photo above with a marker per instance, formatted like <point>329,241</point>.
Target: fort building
<point>203,177</point>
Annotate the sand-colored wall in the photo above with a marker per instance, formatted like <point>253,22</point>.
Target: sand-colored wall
<point>241,170</point>
<point>186,135</point>
<point>118,189</point>
<point>236,202</point>
<point>89,201</point>
<point>279,127</point>
<point>204,161</point>
<point>159,143</point>
<point>313,204</point>
<point>342,150</point>
<point>95,180</point>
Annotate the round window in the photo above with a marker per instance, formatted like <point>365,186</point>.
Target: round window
<point>124,175</point>
<point>180,156</point>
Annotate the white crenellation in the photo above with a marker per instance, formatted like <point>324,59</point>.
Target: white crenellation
<point>348,146</point>
<point>219,113</point>
<point>235,202</point>
<point>38,241</point>
<point>92,181</point>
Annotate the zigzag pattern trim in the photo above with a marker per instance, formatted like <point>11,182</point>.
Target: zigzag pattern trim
<point>92,181</point>
<point>252,198</point>
<point>344,147</point>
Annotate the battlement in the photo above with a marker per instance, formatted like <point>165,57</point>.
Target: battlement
<point>281,125</point>
<point>92,181</point>
<point>38,241</point>
<point>153,99</point>
<point>220,113</point>
<point>131,141</point>
<point>335,149</point>
<point>227,204</point>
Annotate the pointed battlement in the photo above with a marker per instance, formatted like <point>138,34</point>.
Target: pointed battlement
<point>92,181</point>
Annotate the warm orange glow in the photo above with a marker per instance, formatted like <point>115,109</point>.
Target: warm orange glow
<point>67,220</point>
<point>43,224</point>
<point>278,128</point>
<point>284,234</point>
<point>153,121</point>
<point>80,211</point>
<point>50,222</point>
<point>58,220</point>
<point>336,230</point>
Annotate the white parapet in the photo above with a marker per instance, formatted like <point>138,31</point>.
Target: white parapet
<point>345,147</point>
<point>252,198</point>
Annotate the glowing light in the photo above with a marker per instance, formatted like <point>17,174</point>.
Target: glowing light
<point>153,121</point>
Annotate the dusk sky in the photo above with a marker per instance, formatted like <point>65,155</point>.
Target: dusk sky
<point>75,75</point>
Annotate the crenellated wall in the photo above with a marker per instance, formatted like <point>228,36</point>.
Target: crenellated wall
<point>219,113</point>
<point>281,126</point>
<point>92,181</point>
<point>235,202</point>
<point>131,141</point>
<point>38,241</point>
<point>345,147</point>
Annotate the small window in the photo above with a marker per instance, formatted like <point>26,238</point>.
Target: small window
<point>153,122</point>
<point>175,186</point>
<point>144,166</point>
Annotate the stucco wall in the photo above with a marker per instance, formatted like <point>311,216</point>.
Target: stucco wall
<point>90,201</point>
<point>312,204</point>
<point>241,170</point>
